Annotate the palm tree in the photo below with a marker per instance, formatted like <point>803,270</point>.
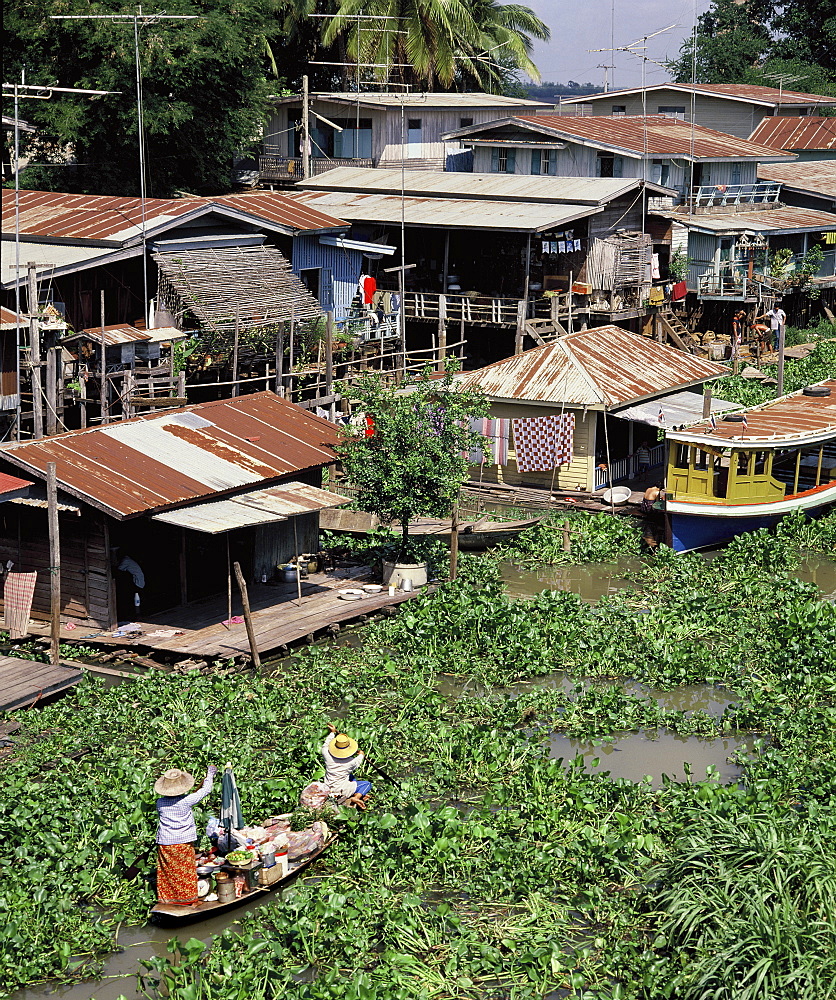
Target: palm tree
<point>437,43</point>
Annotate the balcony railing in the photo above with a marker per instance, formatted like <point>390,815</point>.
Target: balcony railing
<point>708,196</point>
<point>625,468</point>
<point>289,168</point>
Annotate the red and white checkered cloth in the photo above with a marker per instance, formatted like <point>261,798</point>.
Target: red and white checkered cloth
<point>543,443</point>
<point>18,592</point>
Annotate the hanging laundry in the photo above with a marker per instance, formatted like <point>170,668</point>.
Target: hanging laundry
<point>547,247</point>
<point>654,266</point>
<point>369,287</point>
<point>535,443</point>
<point>577,244</point>
<point>565,447</point>
<point>829,237</point>
<point>395,303</point>
<point>680,290</point>
<point>496,430</point>
<point>18,591</point>
<point>657,295</point>
<point>554,246</point>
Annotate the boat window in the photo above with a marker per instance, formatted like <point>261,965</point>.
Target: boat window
<point>701,460</point>
<point>682,455</point>
<point>760,463</point>
<point>744,463</point>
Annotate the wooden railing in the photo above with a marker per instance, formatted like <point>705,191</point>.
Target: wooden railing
<point>289,168</point>
<point>625,468</point>
<point>492,310</point>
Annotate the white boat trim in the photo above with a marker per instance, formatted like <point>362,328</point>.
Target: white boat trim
<point>800,501</point>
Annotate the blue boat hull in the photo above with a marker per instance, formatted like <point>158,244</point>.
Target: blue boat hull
<point>691,532</point>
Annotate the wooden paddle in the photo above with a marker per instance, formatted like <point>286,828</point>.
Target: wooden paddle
<point>133,870</point>
<point>382,773</point>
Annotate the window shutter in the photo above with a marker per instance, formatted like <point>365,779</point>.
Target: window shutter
<point>494,159</point>
<point>512,154</point>
<point>535,161</point>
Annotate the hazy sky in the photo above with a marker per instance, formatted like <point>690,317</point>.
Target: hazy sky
<point>579,25</point>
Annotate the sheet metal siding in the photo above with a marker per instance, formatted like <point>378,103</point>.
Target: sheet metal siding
<point>487,185</point>
<point>787,418</point>
<point>816,177</point>
<point>796,133</point>
<point>626,213</point>
<point>105,218</point>
<point>656,135</point>
<point>779,220</point>
<point>701,247</point>
<point>447,212</point>
<point>344,264</point>
<point>151,463</point>
<point>605,365</point>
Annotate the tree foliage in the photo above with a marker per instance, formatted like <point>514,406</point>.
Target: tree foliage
<point>205,85</point>
<point>414,458</point>
<point>746,41</point>
<point>432,44</point>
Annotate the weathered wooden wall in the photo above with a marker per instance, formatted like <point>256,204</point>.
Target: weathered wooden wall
<point>86,589</point>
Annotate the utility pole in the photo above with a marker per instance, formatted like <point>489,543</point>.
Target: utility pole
<point>35,352</point>
<point>306,130</point>
<point>54,564</point>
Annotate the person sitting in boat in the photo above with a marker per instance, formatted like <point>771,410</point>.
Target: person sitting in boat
<point>342,757</point>
<point>651,495</point>
<point>176,834</point>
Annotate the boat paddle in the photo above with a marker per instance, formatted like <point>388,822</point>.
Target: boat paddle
<point>382,773</point>
<point>133,870</point>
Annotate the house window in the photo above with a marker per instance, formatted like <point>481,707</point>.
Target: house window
<point>464,122</point>
<point>671,110</point>
<point>610,165</point>
<point>619,109</point>
<point>661,172</point>
<point>503,161</point>
<point>543,161</point>
<point>353,141</point>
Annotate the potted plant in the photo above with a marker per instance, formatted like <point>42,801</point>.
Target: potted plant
<point>411,455</point>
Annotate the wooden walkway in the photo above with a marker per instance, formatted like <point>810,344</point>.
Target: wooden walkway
<point>278,618</point>
<point>23,682</point>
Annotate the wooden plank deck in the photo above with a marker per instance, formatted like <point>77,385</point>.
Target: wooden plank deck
<point>278,618</point>
<point>23,682</point>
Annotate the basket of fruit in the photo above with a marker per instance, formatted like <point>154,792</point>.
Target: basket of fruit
<point>239,859</point>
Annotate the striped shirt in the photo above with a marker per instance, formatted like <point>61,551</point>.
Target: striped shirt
<point>176,818</point>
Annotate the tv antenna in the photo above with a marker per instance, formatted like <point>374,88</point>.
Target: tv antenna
<point>782,79</point>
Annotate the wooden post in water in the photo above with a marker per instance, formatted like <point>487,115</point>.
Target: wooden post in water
<point>248,621</point>
<point>54,564</point>
<point>567,538</point>
<point>454,541</point>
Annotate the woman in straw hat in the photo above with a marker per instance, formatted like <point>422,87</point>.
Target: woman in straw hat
<point>176,834</point>
<point>342,757</point>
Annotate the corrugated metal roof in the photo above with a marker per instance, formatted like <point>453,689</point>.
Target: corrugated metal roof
<point>678,408</point>
<point>817,177</point>
<point>769,96</point>
<point>53,258</point>
<point>124,333</point>
<point>777,220</point>
<point>394,99</point>
<point>496,187</point>
<point>785,132</point>
<point>105,218</point>
<point>789,419</point>
<point>157,462</point>
<point>278,503</point>
<point>603,367</point>
<point>9,319</point>
<point>457,213</point>
<point>12,487</point>
<point>646,135</point>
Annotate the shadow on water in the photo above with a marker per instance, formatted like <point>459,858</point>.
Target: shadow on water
<point>636,755</point>
<point>820,570</point>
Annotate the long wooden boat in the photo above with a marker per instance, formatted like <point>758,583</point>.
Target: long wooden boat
<point>745,474</point>
<point>168,915</point>
<point>480,534</point>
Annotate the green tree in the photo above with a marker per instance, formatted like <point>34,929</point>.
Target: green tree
<point>414,459</point>
<point>205,85</point>
<point>432,44</point>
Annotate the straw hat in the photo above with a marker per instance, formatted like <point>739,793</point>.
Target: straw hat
<point>174,782</point>
<point>343,746</point>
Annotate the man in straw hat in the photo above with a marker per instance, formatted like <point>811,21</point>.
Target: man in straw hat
<point>342,757</point>
<point>176,834</point>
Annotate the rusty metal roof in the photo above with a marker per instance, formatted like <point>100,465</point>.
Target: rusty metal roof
<point>792,419</point>
<point>768,96</point>
<point>108,219</point>
<point>12,487</point>
<point>9,319</point>
<point>816,177</point>
<point>154,463</point>
<point>646,135</point>
<point>777,220</point>
<point>124,333</point>
<point>276,503</point>
<point>394,99</point>
<point>784,132</point>
<point>603,368</point>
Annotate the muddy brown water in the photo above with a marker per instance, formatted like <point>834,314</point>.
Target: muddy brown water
<point>590,581</point>
<point>635,756</point>
<point>820,570</point>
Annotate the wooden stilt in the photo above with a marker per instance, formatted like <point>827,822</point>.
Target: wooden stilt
<point>248,620</point>
<point>54,564</point>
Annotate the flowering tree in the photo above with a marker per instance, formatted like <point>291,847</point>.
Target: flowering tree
<point>411,457</point>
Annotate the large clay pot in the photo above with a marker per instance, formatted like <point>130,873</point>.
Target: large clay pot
<point>393,573</point>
